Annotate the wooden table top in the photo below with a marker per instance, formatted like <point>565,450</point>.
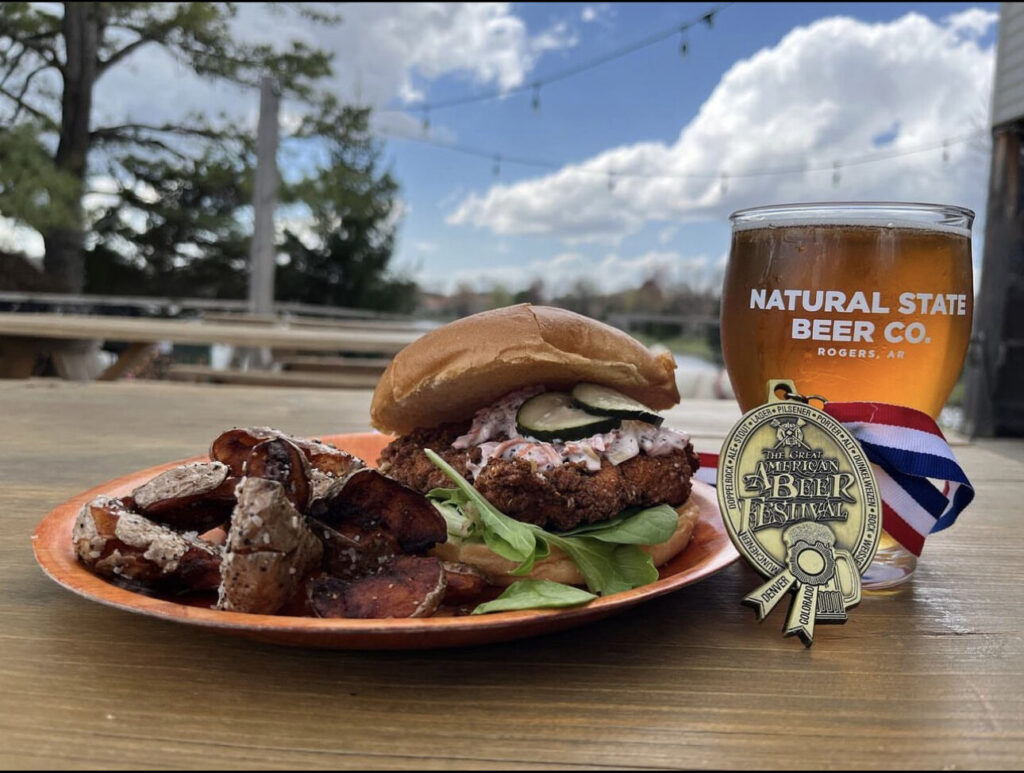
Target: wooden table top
<point>238,333</point>
<point>930,675</point>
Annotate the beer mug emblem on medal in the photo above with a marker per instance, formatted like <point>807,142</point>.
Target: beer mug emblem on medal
<point>858,302</point>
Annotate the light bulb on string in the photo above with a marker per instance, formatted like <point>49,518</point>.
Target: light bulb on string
<point>945,151</point>
<point>835,174</point>
<point>496,169</point>
<point>611,182</point>
<point>684,45</point>
<point>535,101</point>
<point>426,120</point>
<point>708,19</point>
<point>723,184</point>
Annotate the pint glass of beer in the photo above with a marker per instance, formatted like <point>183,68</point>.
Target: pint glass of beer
<point>854,302</point>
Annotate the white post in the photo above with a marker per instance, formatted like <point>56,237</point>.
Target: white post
<point>264,201</point>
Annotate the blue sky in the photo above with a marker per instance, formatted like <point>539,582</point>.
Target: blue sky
<point>792,86</point>
<point>647,96</point>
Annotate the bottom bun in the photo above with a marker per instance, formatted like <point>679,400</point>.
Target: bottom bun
<point>558,567</point>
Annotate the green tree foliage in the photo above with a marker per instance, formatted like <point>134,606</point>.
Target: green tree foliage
<point>178,220</point>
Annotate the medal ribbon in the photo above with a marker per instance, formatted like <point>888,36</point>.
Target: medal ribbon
<point>907,450</point>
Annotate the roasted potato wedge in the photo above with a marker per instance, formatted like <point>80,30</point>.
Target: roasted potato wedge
<point>465,584</point>
<point>371,500</point>
<point>114,542</point>
<point>233,448</point>
<point>192,497</point>
<point>408,586</point>
<point>281,460</point>
<point>351,551</point>
<point>269,550</point>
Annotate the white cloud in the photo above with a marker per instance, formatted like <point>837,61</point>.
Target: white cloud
<point>822,93</point>
<point>601,13</point>
<point>972,21</point>
<point>15,237</point>
<point>381,52</point>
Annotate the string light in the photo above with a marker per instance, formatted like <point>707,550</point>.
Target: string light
<point>535,101</point>
<point>834,167</point>
<point>496,169</point>
<point>835,174</point>
<point>706,18</point>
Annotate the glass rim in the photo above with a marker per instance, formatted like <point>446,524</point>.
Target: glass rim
<point>857,212</point>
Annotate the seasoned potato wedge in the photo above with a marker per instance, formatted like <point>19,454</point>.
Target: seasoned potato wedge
<point>269,550</point>
<point>114,542</point>
<point>233,448</point>
<point>408,586</point>
<point>465,584</point>
<point>192,497</point>
<point>352,551</point>
<point>372,501</point>
<point>281,460</point>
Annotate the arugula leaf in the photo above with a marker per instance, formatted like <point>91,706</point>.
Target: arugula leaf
<point>648,526</point>
<point>606,554</point>
<point>506,536</point>
<point>607,568</point>
<point>536,594</point>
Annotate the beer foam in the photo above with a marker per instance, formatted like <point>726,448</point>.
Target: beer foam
<point>852,222</point>
<point>859,216</point>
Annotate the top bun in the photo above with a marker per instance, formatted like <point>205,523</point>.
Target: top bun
<point>455,370</point>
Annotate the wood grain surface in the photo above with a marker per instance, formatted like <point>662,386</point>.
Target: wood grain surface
<point>931,675</point>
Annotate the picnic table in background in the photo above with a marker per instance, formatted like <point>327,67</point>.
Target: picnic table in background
<point>928,675</point>
<point>23,336</point>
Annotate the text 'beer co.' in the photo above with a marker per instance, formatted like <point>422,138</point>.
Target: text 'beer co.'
<point>800,502</point>
<point>848,310</point>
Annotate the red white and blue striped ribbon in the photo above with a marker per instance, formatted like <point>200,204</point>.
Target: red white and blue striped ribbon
<point>907,451</point>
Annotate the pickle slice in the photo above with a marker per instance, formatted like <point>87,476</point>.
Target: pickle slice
<point>553,416</point>
<point>606,401</point>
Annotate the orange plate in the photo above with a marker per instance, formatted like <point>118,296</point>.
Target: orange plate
<point>709,551</point>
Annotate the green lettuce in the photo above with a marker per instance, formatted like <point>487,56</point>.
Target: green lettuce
<point>606,554</point>
<point>536,594</point>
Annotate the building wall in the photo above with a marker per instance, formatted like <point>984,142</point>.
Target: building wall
<point>1008,92</point>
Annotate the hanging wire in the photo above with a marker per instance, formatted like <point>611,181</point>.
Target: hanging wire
<point>867,158</point>
<point>706,18</point>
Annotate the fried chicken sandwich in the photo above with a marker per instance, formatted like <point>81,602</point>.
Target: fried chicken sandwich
<point>551,418</point>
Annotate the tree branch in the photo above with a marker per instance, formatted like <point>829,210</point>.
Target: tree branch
<point>117,56</point>
<point>12,64</point>
<point>47,53</point>
<point>151,142</point>
<point>23,105</point>
<point>123,131</point>
<point>24,90</point>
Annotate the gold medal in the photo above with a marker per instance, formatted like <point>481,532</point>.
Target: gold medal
<point>801,504</point>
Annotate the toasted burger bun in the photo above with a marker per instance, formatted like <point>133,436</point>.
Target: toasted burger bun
<point>453,371</point>
<point>558,567</point>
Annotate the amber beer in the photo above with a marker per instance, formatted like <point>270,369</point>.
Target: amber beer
<point>851,301</point>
